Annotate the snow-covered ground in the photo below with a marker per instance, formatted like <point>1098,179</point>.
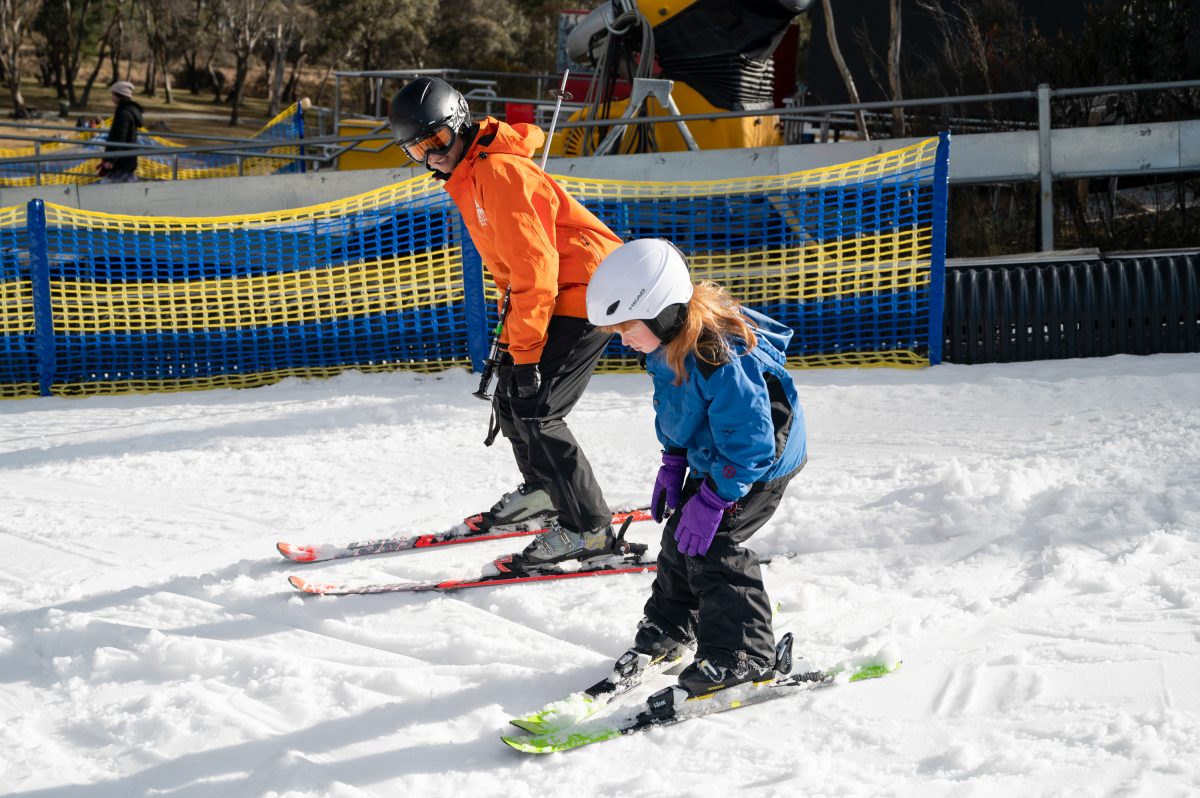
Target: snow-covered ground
<point>1026,537</point>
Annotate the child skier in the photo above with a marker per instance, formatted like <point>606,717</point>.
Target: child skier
<point>725,410</point>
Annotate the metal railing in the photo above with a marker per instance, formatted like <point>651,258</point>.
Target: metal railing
<point>315,150</point>
<point>323,149</point>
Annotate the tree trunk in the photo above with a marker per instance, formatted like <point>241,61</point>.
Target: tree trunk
<point>95,73</point>
<point>289,91</point>
<point>191,64</point>
<point>118,51</point>
<point>847,78</point>
<point>151,77</point>
<point>170,97</point>
<point>894,70</point>
<point>278,68</point>
<point>324,84</point>
<point>18,99</point>
<point>235,94</point>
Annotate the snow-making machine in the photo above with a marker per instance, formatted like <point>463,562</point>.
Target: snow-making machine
<point>677,57</point>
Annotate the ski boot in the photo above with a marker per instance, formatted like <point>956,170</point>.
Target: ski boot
<point>530,507</point>
<point>705,677</point>
<point>653,649</point>
<point>596,548</point>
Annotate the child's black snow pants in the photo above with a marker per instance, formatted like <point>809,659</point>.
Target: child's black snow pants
<point>719,599</point>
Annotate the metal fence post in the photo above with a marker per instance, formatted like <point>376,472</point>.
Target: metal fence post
<point>43,311</point>
<point>475,302</point>
<point>300,136</point>
<point>1045,167</point>
<point>937,259</point>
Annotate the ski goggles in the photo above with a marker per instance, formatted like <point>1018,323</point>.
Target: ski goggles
<point>438,142</point>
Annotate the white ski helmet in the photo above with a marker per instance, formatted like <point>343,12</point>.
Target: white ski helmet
<point>642,280</point>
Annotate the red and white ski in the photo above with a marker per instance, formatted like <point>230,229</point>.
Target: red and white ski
<point>469,531</point>
<point>628,564</point>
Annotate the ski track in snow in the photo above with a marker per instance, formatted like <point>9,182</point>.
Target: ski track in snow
<point>1025,537</point>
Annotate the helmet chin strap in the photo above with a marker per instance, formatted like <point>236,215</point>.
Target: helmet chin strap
<point>667,324</point>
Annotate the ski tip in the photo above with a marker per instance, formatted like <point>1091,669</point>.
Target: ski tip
<point>296,553</point>
<point>559,741</point>
<point>531,725</point>
<point>632,514</point>
<point>304,586</point>
<point>529,744</point>
<point>874,671</point>
<point>557,715</point>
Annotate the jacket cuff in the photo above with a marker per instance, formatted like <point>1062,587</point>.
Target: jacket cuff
<point>712,487</point>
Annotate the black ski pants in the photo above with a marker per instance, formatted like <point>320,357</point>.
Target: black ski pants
<point>546,452</point>
<point>719,598</point>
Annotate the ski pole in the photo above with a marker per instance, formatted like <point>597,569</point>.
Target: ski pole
<point>560,95</point>
<point>493,358</point>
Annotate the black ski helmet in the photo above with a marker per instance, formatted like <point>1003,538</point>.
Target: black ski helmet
<point>423,106</point>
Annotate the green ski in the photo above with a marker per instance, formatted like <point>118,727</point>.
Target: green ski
<point>630,670</point>
<point>671,705</point>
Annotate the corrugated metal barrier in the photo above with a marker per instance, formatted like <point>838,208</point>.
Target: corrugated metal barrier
<point>1137,304</point>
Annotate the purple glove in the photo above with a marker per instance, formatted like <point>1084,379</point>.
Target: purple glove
<point>699,521</point>
<point>667,485</point>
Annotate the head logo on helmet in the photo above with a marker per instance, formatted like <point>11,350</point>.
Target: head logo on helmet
<point>637,298</point>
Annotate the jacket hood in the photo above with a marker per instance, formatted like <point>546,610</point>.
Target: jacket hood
<point>134,109</point>
<point>519,139</point>
<point>773,336</point>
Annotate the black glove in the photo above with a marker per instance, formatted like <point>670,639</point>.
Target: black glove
<point>504,364</point>
<point>525,381</point>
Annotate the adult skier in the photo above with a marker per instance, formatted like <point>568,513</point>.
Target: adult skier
<point>540,246</point>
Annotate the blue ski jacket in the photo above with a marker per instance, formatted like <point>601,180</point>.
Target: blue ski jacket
<point>740,422</point>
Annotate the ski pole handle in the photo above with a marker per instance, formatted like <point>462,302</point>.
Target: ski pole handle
<point>560,94</point>
<point>493,358</point>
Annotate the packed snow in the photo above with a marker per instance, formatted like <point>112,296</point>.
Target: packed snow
<point>1025,537</point>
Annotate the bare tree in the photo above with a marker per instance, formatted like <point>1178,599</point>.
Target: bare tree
<point>16,21</point>
<point>244,22</point>
<point>118,39</point>
<point>885,69</point>
<point>69,28</point>
<point>982,47</point>
<point>847,78</point>
<point>163,24</point>
<point>379,34</point>
<point>105,44</point>
<point>200,41</point>
<point>290,24</point>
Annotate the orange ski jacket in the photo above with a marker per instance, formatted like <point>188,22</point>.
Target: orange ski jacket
<point>533,236</point>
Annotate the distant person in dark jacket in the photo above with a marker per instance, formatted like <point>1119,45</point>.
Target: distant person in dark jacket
<point>127,118</point>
